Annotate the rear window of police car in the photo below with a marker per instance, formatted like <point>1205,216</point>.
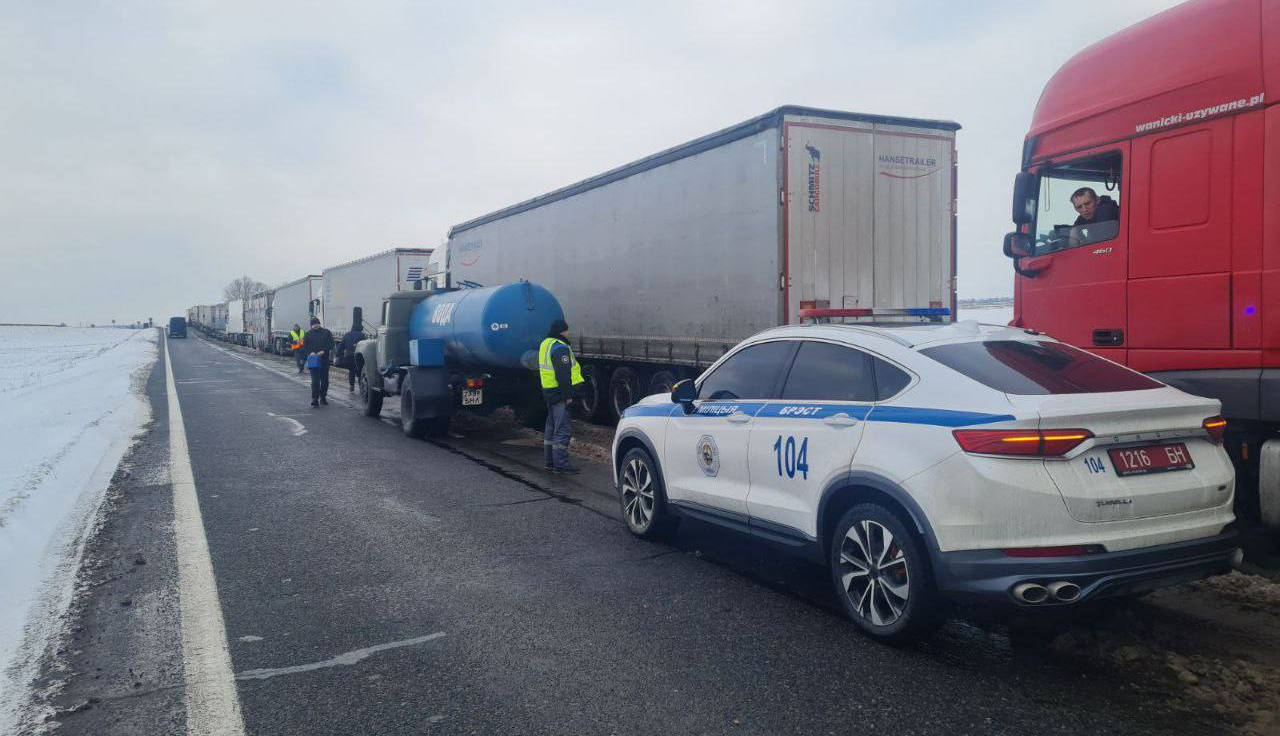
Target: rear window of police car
<point>1037,368</point>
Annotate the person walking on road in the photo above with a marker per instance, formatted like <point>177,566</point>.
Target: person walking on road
<point>347,355</point>
<point>561,378</point>
<point>317,345</point>
<point>295,344</point>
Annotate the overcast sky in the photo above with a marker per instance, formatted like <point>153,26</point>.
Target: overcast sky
<point>150,152</point>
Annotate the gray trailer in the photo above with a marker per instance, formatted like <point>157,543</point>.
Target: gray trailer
<point>295,303</point>
<point>363,284</point>
<point>257,319</point>
<point>664,264</point>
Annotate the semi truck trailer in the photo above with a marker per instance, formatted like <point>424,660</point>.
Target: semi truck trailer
<point>363,284</point>
<point>295,303</point>
<point>665,263</point>
<point>235,329</point>
<point>257,319</point>
<point>1181,278</point>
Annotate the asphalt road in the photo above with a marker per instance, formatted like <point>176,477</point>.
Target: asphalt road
<point>374,584</point>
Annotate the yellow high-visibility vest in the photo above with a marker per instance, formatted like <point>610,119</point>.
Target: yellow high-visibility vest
<point>297,337</point>
<point>548,372</point>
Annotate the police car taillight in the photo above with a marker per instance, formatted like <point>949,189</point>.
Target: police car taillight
<point>1021,442</point>
<point>1216,427</point>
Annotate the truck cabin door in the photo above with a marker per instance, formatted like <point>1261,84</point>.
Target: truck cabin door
<point>1181,288</point>
<point>1074,289</point>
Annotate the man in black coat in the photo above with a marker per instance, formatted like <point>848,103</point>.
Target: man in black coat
<point>318,343</point>
<point>347,355</point>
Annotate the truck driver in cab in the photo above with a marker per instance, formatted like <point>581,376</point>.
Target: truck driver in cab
<point>1098,217</point>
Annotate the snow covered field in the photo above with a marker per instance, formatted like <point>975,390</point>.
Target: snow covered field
<point>986,315</point>
<point>70,404</point>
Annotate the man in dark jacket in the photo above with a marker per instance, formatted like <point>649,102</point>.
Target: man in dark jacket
<point>561,377</point>
<point>347,355</point>
<point>318,343</point>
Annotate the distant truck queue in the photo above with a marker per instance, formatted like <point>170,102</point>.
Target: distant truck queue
<point>662,265</point>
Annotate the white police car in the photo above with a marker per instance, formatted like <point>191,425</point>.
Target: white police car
<point>939,460</point>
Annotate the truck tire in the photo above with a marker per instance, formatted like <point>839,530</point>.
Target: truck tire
<point>591,400</point>
<point>370,400</point>
<point>413,425</point>
<point>624,390</point>
<point>661,382</point>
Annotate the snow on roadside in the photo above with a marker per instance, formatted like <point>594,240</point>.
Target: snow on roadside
<point>72,402</point>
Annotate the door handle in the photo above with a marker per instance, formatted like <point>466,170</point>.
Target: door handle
<point>840,420</point>
<point>739,418</point>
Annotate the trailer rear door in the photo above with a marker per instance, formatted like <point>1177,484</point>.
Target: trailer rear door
<point>869,216</point>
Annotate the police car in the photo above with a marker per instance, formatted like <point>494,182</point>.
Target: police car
<point>933,461</point>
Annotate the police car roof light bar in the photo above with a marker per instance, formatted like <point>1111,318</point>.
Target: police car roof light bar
<point>816,314</point>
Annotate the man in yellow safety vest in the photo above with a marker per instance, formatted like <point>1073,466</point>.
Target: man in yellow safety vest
<point>296,336</point>
<point>561,377</point>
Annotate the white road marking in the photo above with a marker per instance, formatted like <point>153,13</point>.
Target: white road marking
<point>249,637</point>
<point>298,429</point>
<point>347,658</point>
<point>213,706</point>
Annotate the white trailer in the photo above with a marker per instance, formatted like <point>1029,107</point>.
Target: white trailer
<point>365,283</point>
<point>295,303</point>
<point>235,330</point>
<point>664,264</point>
<point>257,319</point>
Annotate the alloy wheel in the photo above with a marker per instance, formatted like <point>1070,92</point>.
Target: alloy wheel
<point>873,573</point>
<point>637,494</point>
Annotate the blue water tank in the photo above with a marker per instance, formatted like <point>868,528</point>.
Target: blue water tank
<point>492,326</point>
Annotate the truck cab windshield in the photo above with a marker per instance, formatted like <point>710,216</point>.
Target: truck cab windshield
<point>1079,203</point>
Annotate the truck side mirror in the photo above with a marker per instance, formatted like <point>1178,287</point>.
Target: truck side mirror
<point>1026,187</point>
<point>684,393</point>
<point>1017,245</point>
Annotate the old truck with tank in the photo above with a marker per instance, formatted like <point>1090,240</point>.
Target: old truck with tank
<point>440,350</point>
<point>663,264</point>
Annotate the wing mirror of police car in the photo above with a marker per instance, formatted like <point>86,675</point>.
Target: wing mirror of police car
<point>684,393</point>
<point>1017,245</point>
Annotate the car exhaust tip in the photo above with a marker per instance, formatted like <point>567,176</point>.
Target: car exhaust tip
<point>1031,593</point>
<point>1064,591</point>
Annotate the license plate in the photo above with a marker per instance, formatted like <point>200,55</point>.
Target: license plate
<point>1151,459</point>
<point>472,396</point>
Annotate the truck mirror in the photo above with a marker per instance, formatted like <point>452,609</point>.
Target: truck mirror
<point>1026,187</point>
<point>684,393</point>
<point>1017,245</point>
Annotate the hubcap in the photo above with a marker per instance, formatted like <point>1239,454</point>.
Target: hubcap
<point>873,573</point>
<point>637,495</point>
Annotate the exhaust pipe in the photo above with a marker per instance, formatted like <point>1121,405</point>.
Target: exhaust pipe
<point>1031,593</point>
<point>1064,591</point>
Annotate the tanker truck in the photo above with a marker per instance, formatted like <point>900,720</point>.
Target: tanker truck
<point>444,349</point>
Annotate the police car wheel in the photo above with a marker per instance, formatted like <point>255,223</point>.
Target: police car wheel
<point>643,499</point>
<point>881,575</point>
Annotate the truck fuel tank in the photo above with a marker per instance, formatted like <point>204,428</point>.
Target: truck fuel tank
<point>490,326</point>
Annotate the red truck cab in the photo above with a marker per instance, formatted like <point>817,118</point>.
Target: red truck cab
<point>1166,132</point>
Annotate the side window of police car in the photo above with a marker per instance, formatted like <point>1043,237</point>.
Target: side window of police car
<point>750,373</point>
<point>826,372</point>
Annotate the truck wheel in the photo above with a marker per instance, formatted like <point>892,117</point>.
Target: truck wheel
<point>661,383</point>
<point>413,425</point>
<point>624,390</point>
<point>591,399</point>
<point>370,400</point>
